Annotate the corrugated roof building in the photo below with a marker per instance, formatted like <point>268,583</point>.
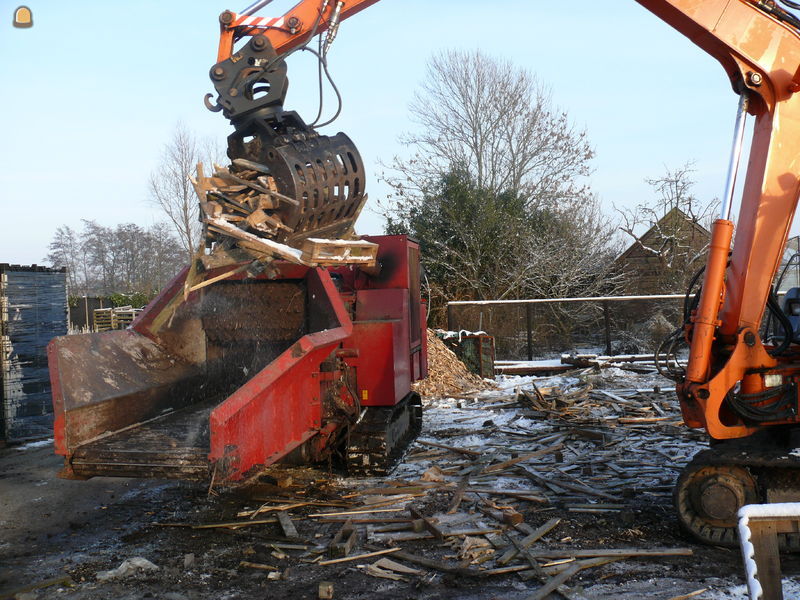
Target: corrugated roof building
<point>666,256</point>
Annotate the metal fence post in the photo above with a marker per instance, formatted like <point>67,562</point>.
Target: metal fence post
<point>607,324</point>
<point>529,321</point>
<point>450,317</point>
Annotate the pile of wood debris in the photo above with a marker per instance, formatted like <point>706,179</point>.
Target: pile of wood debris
<point>498,484</point>
<point>581,404</point>
<point>447,375</point>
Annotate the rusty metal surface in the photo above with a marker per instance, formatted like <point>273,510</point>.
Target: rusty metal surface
<point>106,381</point>
<point>174,445</point>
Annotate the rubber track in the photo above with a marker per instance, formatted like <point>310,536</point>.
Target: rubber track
<point>382,435</point>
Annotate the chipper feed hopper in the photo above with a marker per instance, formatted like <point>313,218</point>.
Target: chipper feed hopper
<point>295,364</point>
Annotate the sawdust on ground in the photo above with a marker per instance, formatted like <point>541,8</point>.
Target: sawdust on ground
<point>447,375</point>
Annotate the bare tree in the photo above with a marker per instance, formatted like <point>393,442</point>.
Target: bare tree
<point>170,189</point>
<point>498,122</point>
<point>124,259</point>
<point>67,250</point>
<point>495,191</point>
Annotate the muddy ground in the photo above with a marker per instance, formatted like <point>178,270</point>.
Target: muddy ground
<point>68,531</point>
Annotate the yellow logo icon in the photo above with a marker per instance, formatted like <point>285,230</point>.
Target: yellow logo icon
<point>23,17</point>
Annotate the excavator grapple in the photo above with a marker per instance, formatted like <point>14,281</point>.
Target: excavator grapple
<point>319,177</point>
<point>301,364</point>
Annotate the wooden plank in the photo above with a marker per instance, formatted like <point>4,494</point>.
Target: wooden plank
<point>254,242</point>
<point>458,495</point>
<point>533,369</point>
<point>289,530</point>
<point>262,567</point>
<point>411,536</point>
<point>597,552</point>
<point>252,165</point>
<point>213,280</point>
<point>264,508</point>
<point>438,565</point>
<point>575,487</point>
<point>522,458</point>
<point>451,448</point>
<point>560,579</point>
<point>225,525</point>
<point>358,556</point>
<point>393,491</point>
<point>689,595</point>
<point>388,563</point>
<point>551,584</point>
<point>529,540</point>
<point>408,522</point>
<point>519,494</point>
<point>355,512</point>
<point>764,537</point>
<point>506,570</point>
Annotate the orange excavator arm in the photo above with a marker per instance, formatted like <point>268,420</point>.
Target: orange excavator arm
<point>297,26</point>
<point>758,45</point>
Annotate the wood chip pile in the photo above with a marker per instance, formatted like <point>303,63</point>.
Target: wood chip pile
<point>447,375</point>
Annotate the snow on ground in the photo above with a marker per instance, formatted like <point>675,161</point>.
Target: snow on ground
<point>791,591</point>
<point>625,468</point>
<point>36,444</point>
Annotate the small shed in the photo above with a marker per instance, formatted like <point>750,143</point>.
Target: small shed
<point>33,310</point>
<point>666,256</point>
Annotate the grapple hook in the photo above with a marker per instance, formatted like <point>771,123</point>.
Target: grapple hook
<point>215,107</point>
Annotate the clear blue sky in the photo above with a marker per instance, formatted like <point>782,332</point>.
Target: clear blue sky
<point>93,91</point>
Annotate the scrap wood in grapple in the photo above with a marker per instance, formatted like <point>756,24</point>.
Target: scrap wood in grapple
<point>241,206</point>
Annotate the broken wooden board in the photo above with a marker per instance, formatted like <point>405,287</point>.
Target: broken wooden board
<point>289,530</point>
<point>339,252</point>
<point>343,542</point>
<point>247,208</point>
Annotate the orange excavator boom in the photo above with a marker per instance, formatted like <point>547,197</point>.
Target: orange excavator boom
<point>306,19</point>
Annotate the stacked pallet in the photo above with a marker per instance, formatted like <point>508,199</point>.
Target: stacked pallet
<point>33,310</point>
<point>108,319</point>
<point>103,319</point>
<point>125,315</point>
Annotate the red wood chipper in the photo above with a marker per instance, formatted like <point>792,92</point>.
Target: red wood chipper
<point>300,364</point>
